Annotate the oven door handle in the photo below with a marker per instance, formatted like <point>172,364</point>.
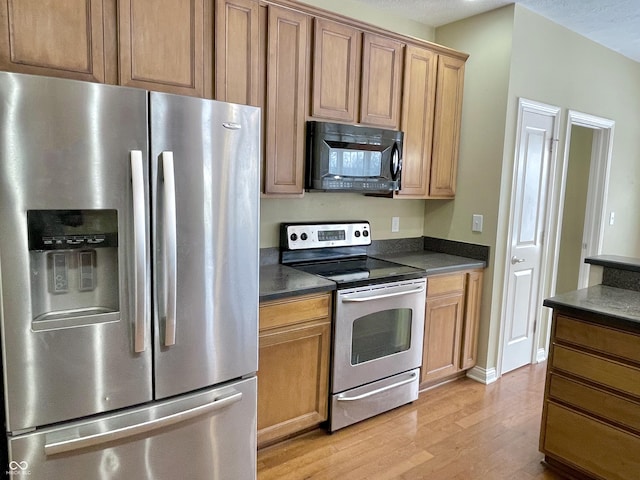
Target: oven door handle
<point>347,298</point>
<point>377,390</point>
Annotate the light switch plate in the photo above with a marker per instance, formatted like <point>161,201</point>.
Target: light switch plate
<point>476,224</point>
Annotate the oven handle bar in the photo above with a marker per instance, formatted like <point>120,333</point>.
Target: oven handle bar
<point>347,298</point>
<point>377,390</point>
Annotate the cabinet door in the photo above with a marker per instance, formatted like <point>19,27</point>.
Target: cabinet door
<point>164,47</point>
<point>417,120</point>
<point>237,51</point>
<point>443,324</point>
<point>287,69</point>
<point>381,75</point>
<point>473,295</point>
<point>446,133</point>
<point>60,38</point>
<point>336,71</point>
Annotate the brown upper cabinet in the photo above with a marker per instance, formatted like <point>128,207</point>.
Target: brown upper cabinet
<point>446,131</point>
<point>287,69</point>
<point>62,38</point>
<point>431,114</point>
<point>237,54</point>
<point>356,76</point>
<point>166,45</point>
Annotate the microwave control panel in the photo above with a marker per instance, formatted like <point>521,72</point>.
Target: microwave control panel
<point>301,236</point>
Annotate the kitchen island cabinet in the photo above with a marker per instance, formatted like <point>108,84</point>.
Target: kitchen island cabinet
<point>591,415</point>
<point>293,365</point>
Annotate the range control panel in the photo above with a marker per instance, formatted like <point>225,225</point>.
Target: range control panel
<point>301,236</point>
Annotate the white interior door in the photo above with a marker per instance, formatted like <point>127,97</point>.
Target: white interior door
<point>536,130</point>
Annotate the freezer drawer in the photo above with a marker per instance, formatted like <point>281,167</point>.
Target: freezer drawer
<point>207,435</point>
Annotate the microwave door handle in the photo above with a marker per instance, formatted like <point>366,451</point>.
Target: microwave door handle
<point>395,161</point>
<point>170,246</point>
<point>139,251</point>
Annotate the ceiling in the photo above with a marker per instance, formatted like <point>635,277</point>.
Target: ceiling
<point>612,23</point>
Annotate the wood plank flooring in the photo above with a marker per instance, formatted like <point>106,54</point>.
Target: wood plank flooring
<point>460,431</point>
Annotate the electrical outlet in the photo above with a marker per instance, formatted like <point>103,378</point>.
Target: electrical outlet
<point>476,223</point>
<point>612,218</point>
<point>395,224</point>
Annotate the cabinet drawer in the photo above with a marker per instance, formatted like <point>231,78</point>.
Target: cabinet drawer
<point>593,400</point>
<point>278,313</point>
<point>590,445</point>
<point>607,340</point>
<point>442,284</point>
<point>622,377</point>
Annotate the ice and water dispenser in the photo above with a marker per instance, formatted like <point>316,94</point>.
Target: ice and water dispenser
<point>74,267</point>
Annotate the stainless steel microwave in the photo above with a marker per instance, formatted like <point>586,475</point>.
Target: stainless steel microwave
<point>352,158</point>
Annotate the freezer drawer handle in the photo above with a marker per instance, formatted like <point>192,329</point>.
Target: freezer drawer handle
<point>377,390</point>
<point>170,242</point>
<point>140,251</point>
<point>70,445</point>
<point>384,295</point>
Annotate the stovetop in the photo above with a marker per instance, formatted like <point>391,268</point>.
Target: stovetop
<point>349,273</point>
<point>337,251</point>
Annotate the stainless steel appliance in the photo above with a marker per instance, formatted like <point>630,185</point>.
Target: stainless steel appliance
<point>353,158</point>
<point>378,318</point>
<point>128,282</point>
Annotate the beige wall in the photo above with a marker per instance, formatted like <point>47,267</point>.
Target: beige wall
<point>553,65</point>
<point>487,39</point>
<point>573,211</point>
<point>321,206</point>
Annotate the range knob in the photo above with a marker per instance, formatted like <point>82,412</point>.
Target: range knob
<point>303,236</point>
<point>293,237</point>
<point>357,233</point>
<point>365,233</point>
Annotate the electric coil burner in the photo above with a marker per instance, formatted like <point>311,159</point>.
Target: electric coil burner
<point>378,317</point>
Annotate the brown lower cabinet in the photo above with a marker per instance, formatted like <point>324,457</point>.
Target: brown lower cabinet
<point>591,415</point>
<point>451,325</point>
<point>293,365</point>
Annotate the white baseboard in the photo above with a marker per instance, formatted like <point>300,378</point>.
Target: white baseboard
<point>541,355</point>
<point>483,375</point>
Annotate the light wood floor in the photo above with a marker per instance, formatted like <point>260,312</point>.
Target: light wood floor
<point>460,431</point>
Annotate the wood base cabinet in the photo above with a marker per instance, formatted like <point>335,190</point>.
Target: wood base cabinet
<point>591,414</point>
<point>451,325</point>
<point>293,366</point>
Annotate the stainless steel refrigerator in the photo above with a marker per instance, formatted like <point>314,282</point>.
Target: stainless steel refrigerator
<point>128,282</point>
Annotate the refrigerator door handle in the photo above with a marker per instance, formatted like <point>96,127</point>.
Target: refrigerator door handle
<point>170,244</point>
<point>140,252</point>
<point>91,440</point>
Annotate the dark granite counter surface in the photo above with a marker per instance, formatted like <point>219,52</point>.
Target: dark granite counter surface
<point>279,281</point>
<point>603,304</point>
<point>615,261</point>
<point>433,262</point>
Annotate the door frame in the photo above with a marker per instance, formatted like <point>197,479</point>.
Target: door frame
<point>525,105</point>
<point>595,218</point>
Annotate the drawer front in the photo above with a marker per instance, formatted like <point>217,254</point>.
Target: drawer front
<point>443,284</point>
<point>614,342</point>
<point>590,445</point>
<point>619,376</point>
<point>279,313</point>
<point>595,401</point>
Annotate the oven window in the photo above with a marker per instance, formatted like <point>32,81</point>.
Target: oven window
<point>354,163</point>
<point>380,334</point>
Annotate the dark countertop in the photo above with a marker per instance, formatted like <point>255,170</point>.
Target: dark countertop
<point>433,262</point>
<point>615,261</point>
<point>278,281</point>
<point>605,305</point>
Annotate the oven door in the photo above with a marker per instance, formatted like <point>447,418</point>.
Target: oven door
<point>378,332</point>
